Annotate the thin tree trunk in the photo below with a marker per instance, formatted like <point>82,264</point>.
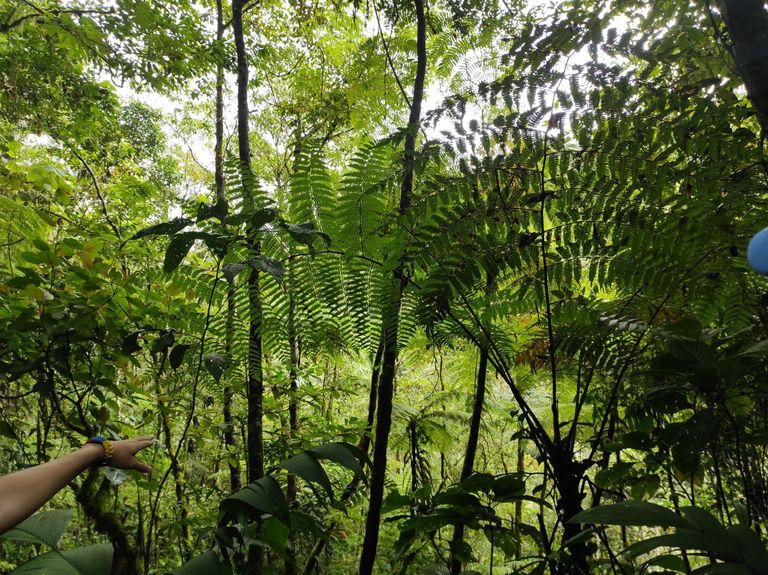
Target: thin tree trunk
<point>293,413</point>
<point>94,496</point>
<point>331,387</point>
<point>179,481</point>
<point>520,468</point>
<point>255,352</point>
<point>230,437</point>
<point>230,434</point>
<point>177,469</point>
<point>221,195</point>
<point>747,22</point>
<point>364,445</point>
<point>413,433</point>
<point>391,313</point>
<point>471,450</point>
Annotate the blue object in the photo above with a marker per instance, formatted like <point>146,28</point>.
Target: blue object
<point>757,252</point>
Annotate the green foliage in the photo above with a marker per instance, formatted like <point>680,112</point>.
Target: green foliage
<point>46,529</point>
<point>738,547</point>
<point>586,182</point>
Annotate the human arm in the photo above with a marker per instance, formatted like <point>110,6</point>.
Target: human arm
<point>24,492</point>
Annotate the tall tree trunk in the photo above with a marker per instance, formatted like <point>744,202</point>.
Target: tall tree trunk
<point>230,436</point>
<point>471,451</point>
<point>747,22</point>
<point>365,442</point>
<point>293,411</point>
<point>255,344</point>
<point>179,481</point>
<point>94,496</point>
<point>255,436</point>
<point>391,313</point>
<point>221,194</point>
<point>177,468</point>
<point>230,431</point>
<point>520,468</point>
<point>569,475</point>
<point>413,433</point>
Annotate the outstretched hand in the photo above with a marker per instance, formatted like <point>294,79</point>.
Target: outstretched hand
<point>125,451</point>
<point>25,491</point>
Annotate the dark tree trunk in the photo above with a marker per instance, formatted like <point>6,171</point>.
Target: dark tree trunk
<point>365,440</point>
<point>255,372</point>
<point>365,443</point>
<point>177,468</point>
<point>391,313</point>
<point>230,432</point>
<point>471,451</point>
<point>520,468</point>
<point>94,496</point>
<point>568,476</point>
<point>230,436</point>
<point>255,393</point>
<point>221,195</point>
<point>293,412</point>
<point>413,433</point>
<point>747,22</point>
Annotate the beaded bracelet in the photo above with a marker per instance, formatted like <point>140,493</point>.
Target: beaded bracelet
<point>106,444</point>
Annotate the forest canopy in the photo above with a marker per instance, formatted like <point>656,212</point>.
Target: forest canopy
<point>430,287</point>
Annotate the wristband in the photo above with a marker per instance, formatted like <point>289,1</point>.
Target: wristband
<point>106,444</point>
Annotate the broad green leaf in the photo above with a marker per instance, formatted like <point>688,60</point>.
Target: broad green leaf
<point>272,489</point>
<point>89,560</point>
<point>44,528</point>
<point>613,475</point>
<point>478,482</point>
<point>131,343</point>
<point>263,495</point>
<point>269,265</point>
<point>208,563</point>
<point>163,229</point>
<point>49,563</point>
<point>176,357</point>
<point>307,467</point>
<point>208,211</point>
<point>275,533</point>
<point>306,523</point>
<point>671,562</point>
<point>6,430</point>
<point>691,353</point>
<point>632,513</point>
<point>178,248</point>
<point>230,271</point>
<point>306,233</point>
<point>750,546</point>
<point>163,342</point>
<point>216,363</point>
<point>395,500</point>
<point>685,539</point>
<point>759,348</point>
<point>725,569</point>
<point>263,216</point>
<point>508,487</point>
<point>339,453</point>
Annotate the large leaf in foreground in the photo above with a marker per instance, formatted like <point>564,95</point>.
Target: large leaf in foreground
<point>43,528</point>
<point>641,513</point>
<point>89,560</point>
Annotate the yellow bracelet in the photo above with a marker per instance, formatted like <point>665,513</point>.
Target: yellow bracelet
<point>109,450</point>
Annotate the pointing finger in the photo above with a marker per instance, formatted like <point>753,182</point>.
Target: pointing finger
<point>141,467</point>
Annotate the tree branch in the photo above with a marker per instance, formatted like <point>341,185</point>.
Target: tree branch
<point>98,193</point>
